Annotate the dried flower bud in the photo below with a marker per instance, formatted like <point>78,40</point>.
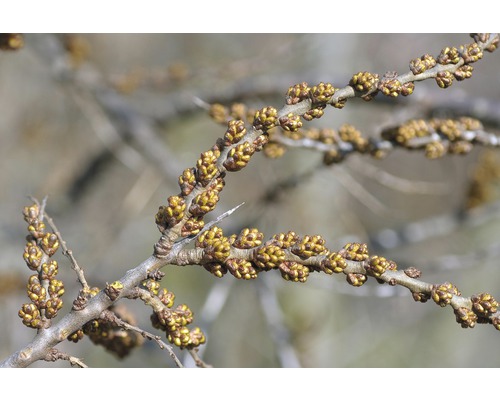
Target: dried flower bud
<point>471,53</point>
<point>286,240</point>
<point>193,226</point>
<point>322,93</point>
<point>187,181</point>
<point>196,338</point>
<point>204,202</point>
<point>339,103</point>
<point>412,272</point>
<point>422,64</point>
<point>56,288</point>
<point>166,297</point>
<point>50,244</point>
<point>113,290</point>
<point>49,270</point>
<point>218,250</point>
<point>265,118</point>
<point>235,132</point>
<point>215,269</point>
<point>52,307</point>
<point>248,238</point>
<point>75,337</point>
<point>378,265</point>
<point>30,315</point>
<point>464,72</point>
<point>449,55</point>
<point>334,262</point>
<point>309,246</point>
<point>293,271</point>
<point>364,82</point>
<point>150,285</point>
<point>37,294</point>
<point>241,269</point>
<point>31,213</point>
<point>171,215</point>
<point>290,122</point>
<point>37,229</point>
<point>496,323</point>
<point>356,279</point>
<point>390,87</point>
<point>316,112</point>
<point>444,79</point>
<point>420,297</point>
<point>269,257</point>
<point>443,294</point>
<point>209,236</point>
<point>32,256</point>
<point>239,156</point>
<point>355,251</point>
<point>465,317</point>
<point>407,88</point>
<point>484,304</point>
<point>207,166</point>
<point>261,141</point>
<point>297,93</point>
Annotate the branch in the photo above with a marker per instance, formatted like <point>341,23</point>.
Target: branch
<point>110,316</point>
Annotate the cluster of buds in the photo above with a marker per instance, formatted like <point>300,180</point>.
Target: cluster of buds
<point>107,333</point>
<point>175,321</point>
<point>437,136</point>
<point>201,185</point>
<point>236,111</point>
<point>43,289</point>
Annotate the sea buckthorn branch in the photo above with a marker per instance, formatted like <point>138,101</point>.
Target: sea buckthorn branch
<point>201,185</point>
<point>85,316</point>
<point>309,103</point>
<point>436,137</point>
<point>43,289</point>
<point>452,63</point>
<point>246,255</point>
<point>295,257</point>
<point>174,321</point>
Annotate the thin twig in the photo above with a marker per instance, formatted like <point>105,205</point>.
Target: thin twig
<point>109,315</point>
<point>275,322</point>
<point>397,183</point>
<point>54,355</point>
<point>197,359</point>
<point>67,252</point>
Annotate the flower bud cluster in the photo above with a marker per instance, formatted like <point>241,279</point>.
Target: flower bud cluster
<point>113,338</point>
<point>436,136</point>
<point>43,289</point>
<point>175,321</point>
<point>200,186</point>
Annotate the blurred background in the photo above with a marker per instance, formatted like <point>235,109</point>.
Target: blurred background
<point>103,124</point>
